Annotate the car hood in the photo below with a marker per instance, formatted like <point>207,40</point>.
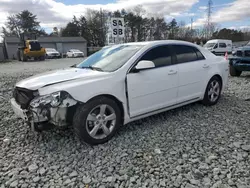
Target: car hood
<point>58,76</point>
<point>52,52</point>
<point>208,48</point>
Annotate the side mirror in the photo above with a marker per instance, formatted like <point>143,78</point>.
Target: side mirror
<point>144,64</point>
<point>216,46</point>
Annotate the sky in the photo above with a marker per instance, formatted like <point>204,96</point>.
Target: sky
<point>232,14</point>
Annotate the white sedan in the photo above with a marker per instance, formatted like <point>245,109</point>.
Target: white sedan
<point>121,84</point>
<point>74,53</point>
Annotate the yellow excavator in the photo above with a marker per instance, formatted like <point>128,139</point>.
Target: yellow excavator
<point>30,48</point>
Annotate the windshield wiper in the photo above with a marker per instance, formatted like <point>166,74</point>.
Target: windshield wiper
<point>93,68</point>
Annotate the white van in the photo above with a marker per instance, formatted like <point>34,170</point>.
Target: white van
<point>219,46</point>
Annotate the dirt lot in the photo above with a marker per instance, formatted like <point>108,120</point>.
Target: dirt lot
<point>190,147</point>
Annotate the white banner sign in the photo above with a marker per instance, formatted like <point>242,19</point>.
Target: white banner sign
<point>117,27</point>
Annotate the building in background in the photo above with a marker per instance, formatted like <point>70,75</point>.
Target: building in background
<point>61,44</point>
<point>2,56</point>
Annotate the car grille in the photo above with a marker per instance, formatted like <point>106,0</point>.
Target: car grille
<point>23,96</point>
<point>239,53</point>
<point>54,54</point>
<point>247,53</point>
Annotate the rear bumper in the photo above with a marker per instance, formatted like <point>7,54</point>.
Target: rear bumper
<point>35,54</point>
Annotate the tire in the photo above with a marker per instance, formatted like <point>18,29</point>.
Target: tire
<point>18,55</point>
<point>42,58</point>
<point>85,124</point>
<point>23,57</point>
<point>234,72</point>
<point>208,100</point>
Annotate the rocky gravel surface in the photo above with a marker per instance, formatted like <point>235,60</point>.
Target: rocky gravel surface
<point>189,147</point>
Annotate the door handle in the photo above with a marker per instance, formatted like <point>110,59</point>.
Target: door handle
<point>205,66</point>
<point>171,72</point>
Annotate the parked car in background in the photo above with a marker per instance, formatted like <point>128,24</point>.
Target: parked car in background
<point>219,46</point>
<point>75,53</point>
<point>240,61</point>
<point>120,84</point>
<point>52,53</point>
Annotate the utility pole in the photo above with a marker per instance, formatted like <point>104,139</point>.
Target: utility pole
<point>101,22</point>
<point>192,27</point>
<point>209,13</point>
<point>192,24</point>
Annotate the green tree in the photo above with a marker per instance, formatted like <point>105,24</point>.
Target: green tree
<point>72,29</point>
<point>232,34</point>
<point>173,29</point>
<point>23,22</point>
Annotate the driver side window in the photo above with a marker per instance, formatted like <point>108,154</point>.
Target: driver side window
<point>160,55</point>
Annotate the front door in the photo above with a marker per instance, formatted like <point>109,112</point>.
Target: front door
<point>153,89</point>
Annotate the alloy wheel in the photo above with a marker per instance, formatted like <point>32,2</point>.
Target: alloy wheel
<point>101,121</point>
<point>214,91</point>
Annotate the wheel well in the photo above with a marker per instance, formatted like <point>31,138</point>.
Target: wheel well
<point>218,76</point>
<point>118,102</point>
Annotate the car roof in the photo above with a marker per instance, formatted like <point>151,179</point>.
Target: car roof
<point>216,40</point>
<point>161,42</point>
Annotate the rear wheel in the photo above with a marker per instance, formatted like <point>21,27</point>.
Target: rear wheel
<point>234,72</point>
<point>18,55</point>
<point>97,121</point>
<point>213,91</point>
<point>23,57</point>
<point>42,58</point>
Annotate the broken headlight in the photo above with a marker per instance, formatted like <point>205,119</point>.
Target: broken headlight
<point>54,99</point>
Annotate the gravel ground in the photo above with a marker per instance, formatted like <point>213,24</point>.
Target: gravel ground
<point>189,147</point>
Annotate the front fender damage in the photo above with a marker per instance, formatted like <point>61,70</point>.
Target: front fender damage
<point>59,116</point>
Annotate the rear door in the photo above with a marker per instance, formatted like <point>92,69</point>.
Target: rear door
<point>156,88</point>
<point>193,70</point>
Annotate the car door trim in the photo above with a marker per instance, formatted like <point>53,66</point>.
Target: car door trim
<point>165,108</point>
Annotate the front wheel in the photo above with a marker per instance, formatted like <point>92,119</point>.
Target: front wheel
<point>213,91</point>
<point>97,121</point>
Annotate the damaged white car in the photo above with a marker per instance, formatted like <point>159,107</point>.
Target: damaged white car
<point>120,84</point>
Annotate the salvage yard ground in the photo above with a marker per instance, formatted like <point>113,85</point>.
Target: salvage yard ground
<point>193,146</point>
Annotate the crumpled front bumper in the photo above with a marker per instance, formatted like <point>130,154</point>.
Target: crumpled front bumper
<point>57,116</point>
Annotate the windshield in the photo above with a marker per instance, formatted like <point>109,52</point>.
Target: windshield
<point>75,50</point>
<point>50,50</point>
<point>111,58</point>
<point>209,45</point>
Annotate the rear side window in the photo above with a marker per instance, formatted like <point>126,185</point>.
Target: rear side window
<point>199,54</point>
<point>161,56</point>
<point>185,53</point>
<point>222,45</point>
